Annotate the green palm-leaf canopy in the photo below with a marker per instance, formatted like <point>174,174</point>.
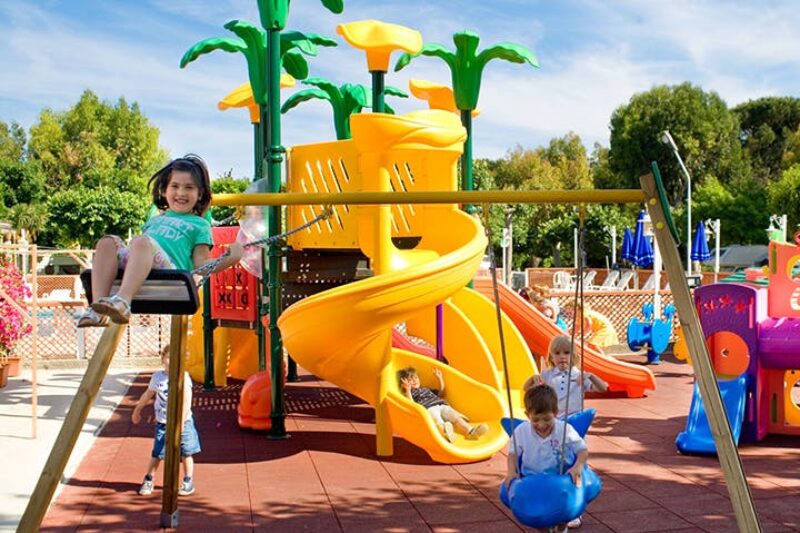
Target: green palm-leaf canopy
<point>466,64</point>
<point>252,43</point>
<point>345,100</point>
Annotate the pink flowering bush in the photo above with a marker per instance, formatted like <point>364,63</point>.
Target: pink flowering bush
<point>12,323</point>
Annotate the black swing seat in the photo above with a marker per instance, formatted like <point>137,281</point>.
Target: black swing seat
<point>165,292</point>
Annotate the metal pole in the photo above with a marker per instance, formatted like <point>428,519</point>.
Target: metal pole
<point>666,138</point>
<point>598,196</point>
<point>275,155</point>
<point>378,84</point>
<point>613,245</point>
<point>716,249</point>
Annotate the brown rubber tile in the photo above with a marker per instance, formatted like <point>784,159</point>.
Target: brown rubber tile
<point>326,476</point>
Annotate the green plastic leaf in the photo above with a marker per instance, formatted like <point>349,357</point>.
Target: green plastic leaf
<point>303,96</point>
<point>323,84</point>
<point>226,44</point>
<point>299,40</point>
<point>388,109</point>
<point>394,91</point>
<point>321,40</point>
<point>334,6</point>
<point>256,55</point>
<point>430,49</point>
<point>358,93</point>
<point>295,64</point>
<point>508,52</point>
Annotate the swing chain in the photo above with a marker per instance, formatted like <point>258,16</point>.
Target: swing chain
<point>208,269</point>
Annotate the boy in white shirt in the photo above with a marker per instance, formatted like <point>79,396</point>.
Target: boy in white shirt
<point>190,441</point>
<point>535,446</point>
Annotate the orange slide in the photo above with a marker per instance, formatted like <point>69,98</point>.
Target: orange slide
<point>538,331</point>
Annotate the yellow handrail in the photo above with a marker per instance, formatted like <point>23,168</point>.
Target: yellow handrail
<point>603,196</point>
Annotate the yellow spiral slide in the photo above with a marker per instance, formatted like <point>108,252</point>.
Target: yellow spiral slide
<point>343,335</point>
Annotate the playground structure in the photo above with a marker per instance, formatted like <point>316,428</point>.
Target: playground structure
<point>753,336</point>
<point>418,278</point>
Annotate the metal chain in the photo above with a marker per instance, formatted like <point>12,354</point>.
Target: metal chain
<point>208,269</point>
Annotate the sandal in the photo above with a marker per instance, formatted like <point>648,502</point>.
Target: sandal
<point>477,431</point>
<point>116,308</point>
<point>90,319</point>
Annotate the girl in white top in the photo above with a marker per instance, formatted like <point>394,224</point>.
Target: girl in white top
<point>565,379</point>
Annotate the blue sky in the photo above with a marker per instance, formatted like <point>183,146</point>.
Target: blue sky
<point>594,56</point>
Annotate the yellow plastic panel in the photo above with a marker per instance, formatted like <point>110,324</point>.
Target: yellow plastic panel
<point>323,167</point>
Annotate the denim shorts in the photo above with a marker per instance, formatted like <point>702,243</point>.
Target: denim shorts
<point>190,441</point>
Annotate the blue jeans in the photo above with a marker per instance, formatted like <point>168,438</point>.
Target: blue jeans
<point>190,440</point>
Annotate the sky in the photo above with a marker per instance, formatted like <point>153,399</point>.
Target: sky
<point>594,55</point>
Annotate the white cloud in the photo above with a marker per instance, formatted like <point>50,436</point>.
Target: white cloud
<point>595,55</point>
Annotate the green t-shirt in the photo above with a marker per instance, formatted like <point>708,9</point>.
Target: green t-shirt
<point>178,234</point>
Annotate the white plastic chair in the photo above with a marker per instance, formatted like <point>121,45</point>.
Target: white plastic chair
<point>562,280</point>
<point>588,279</point>
<point>624,282</point>
<point>611,280</point>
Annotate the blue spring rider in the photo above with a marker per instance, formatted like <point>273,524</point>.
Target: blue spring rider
<point>653,332</point>
<point>545,500</point>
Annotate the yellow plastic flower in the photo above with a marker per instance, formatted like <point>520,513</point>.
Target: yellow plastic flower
<point>242,96</point>
<point>438,96</point>
<point>379,40</point>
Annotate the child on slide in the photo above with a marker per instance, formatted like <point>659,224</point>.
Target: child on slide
<point>446,418</point>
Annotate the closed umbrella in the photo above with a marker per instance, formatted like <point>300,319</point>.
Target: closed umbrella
<point>642,250</point>
<point>700,251</point>
<point>627,245</point>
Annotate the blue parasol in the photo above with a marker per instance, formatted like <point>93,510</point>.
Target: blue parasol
<point>642,250</point>
<point>627,245</point>
<point>700,251</point>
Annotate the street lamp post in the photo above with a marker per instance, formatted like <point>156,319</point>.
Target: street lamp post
<point>667,139</point>
<point>613,231</point>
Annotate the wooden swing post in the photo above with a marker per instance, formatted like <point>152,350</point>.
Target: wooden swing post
<point>739,491</point>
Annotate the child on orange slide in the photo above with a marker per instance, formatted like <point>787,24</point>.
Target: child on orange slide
<point>446,418</point>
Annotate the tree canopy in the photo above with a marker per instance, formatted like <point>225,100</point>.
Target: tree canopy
<point>704,129</point>
<point>767,126</point>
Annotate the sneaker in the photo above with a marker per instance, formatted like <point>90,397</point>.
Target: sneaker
<point>449,433</point>
<point>147,486</point>
<point>186,488</point>
<point>572,524</point>
<point>477,431</point>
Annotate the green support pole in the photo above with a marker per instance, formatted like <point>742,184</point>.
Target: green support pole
<point>275,155</point>
<point>466,158</point>
<point>466,163</point>
<point>378,84</point>
<point>258,134</point>
<point>208,339</point>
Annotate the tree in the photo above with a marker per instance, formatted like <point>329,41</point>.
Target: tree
<point>12,141</point>
<point>706,132</point>
<point>96,144</point>
<point>21,182</point>
<point>30,217</point>
<point>784,196</point>
<point>345,100</point>
<point>741,208</point>
<point>767,127</point>
<point>82,215</point>
<point>226,184</point>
